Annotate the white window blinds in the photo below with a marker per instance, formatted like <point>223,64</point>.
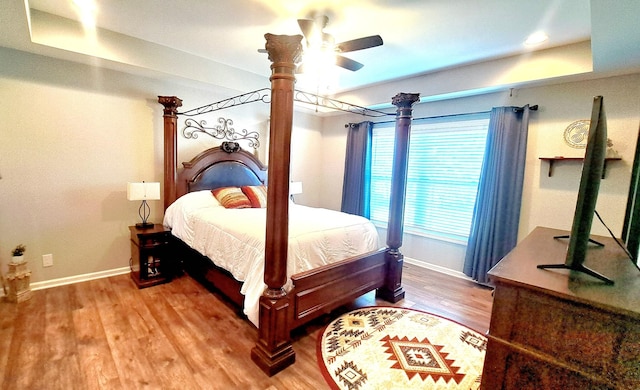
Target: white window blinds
<point>445,158</point>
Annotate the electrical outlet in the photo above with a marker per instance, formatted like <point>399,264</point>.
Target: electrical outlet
<point>47,260</point>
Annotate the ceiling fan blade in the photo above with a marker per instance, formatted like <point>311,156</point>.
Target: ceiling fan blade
<point>348,63</point>
<point>306,26</point>
<point>359,44</point>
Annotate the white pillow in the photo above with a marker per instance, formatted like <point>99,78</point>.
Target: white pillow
<point>198,199</point>
<point>188,203</point>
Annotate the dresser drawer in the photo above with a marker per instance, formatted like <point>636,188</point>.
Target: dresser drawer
<point>591,340</point>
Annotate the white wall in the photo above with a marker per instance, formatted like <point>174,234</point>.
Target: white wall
<point>306,155</point>
<point>73,136</point>
<point>67,155</point>
<point>547,201</point>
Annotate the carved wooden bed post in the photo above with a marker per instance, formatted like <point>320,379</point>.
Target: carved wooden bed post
<point>392,290</point>
<point>273,350</point>
<point>171,104</point>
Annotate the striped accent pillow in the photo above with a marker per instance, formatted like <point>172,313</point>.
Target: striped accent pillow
<point>231,197</point>
<point>257,195</point>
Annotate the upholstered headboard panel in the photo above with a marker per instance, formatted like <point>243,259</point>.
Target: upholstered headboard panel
<point>217,167</point>
<point>224,174</point>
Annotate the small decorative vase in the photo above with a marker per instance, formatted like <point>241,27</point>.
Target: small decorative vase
<point>17,259</point>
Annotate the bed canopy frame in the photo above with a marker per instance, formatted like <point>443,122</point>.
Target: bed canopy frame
<point>317,291</point>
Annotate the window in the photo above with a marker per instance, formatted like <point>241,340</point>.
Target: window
<point>445,158</point>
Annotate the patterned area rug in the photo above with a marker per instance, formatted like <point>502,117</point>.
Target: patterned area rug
<point>400,348</point>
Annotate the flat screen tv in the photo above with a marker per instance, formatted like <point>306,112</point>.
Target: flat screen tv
<point>592,169</point>
<point>631,226</point>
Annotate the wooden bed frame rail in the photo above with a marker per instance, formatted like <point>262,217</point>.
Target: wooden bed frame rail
<point>316,291</point>
<point>342,282</point>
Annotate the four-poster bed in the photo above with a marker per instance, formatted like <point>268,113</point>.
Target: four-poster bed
<point>316,291</point>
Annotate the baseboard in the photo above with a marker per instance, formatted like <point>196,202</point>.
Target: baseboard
<point>119,271</point>
<point>437,268</point>
<point>76,279</point>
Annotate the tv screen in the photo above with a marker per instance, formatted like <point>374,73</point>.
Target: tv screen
<point>631,226</point>
<point>592,169</point>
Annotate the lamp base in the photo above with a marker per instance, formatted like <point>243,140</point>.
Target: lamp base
<point>144,225</point>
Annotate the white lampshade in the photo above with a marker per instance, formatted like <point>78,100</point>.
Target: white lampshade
<point>143,191</point>
<point>295,187</point>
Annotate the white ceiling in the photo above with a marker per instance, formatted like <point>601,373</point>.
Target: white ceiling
<point>216,41</point>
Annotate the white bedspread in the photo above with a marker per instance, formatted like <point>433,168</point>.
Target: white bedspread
<point>234,239</point>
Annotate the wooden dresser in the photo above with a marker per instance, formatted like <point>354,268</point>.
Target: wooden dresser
<point>559,329</point>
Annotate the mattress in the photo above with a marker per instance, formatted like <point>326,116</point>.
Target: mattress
<point>234,239</point>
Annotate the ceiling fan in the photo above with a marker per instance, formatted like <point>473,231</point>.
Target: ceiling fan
<point>316,38</point>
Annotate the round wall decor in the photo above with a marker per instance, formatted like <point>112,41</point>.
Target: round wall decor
<point>577,133</point>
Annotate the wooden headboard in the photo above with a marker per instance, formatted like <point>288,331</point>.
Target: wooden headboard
<point>221,166</point>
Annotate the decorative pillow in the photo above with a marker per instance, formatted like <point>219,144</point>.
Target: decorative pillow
<point>257,195</point>
<point>231,197</point>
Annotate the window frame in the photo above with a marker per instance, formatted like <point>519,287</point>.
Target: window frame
<point>469,131</point>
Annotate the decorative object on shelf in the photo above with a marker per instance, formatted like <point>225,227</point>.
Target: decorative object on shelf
<point>17,254</point>
<point>576,134</point>
<point>611,152</point>
<point>143,191</point>
<point>19,277</point>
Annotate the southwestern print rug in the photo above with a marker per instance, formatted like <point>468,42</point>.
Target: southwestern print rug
<point>400,348</point>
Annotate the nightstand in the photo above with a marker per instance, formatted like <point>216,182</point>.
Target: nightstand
<point>150,255</point>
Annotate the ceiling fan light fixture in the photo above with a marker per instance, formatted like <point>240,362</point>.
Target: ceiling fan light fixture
<point>315,59</point>
<point>321,51</point>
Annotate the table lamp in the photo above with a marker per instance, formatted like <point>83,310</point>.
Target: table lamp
<point>295,188</point>
<point>143,191</point>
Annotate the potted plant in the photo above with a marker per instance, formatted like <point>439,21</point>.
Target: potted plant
<point>18,254</point>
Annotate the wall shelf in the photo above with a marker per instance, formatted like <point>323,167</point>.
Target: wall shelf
<point>553,160</point>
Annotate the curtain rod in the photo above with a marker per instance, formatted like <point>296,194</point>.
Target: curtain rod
<point>517,109</point>
<point>439,116</point>
<point>532,108</point>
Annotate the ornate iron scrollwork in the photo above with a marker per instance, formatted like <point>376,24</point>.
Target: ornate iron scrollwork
<point>333,104</point>
<point>261,95</point>
<point>264,95</point>
<point>223,130</point>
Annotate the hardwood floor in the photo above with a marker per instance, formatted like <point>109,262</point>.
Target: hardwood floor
<point>107,334</point>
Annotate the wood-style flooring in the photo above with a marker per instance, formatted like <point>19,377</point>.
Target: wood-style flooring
<point>108,334</point>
